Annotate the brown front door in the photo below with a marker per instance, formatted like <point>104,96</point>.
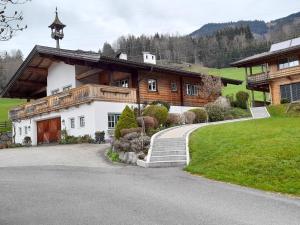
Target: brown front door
<point>48,131</point>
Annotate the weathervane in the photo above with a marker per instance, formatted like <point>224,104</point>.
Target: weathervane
<point>57,29</point>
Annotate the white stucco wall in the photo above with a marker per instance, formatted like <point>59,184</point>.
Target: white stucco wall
<point>96,119</point>
<point>95,114</point>
<point>59,76</point>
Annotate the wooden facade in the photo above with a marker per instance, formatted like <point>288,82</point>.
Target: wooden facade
<point>100,78</point>
<point>271,77</point>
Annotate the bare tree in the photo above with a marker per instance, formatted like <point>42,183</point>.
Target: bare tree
<point>10,21</point>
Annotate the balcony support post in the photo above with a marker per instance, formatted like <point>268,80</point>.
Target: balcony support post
<point>265,98</point>
<point>253,100</point>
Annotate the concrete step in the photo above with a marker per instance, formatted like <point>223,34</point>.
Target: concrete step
<point>168,152</point>
<point>167,158</point>
<point>160,164</point>
<point>259,112</point>
<point>169,147</point>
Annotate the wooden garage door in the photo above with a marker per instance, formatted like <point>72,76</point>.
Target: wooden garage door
<point>48,131</point>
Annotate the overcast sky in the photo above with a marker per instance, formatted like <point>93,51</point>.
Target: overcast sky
<point>92,22</point>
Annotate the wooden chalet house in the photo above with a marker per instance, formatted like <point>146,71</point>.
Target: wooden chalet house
<point>280,72</point>
<point>84,92</point>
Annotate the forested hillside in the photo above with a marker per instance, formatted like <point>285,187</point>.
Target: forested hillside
<point>213,45</point>
<point>217,50</point>
<point>9,63</point>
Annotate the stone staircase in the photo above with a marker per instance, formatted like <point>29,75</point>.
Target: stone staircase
<point>259,112</point>
<point>168,152</point>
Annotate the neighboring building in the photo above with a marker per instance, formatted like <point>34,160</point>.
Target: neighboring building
<point>280,72</point>
<point>84,92</point>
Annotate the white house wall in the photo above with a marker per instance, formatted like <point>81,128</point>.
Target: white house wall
<point>95,114</point>
<point>59,76</point>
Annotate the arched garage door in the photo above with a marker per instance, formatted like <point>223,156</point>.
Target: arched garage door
<point>49,131</point>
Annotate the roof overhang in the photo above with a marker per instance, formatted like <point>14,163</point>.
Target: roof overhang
<point>262,58</point>
<point>30,80</point>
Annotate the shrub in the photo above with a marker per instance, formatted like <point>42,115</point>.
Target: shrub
<point>148,121</point>
<point>223,102</point>
<point>242,99</point>
<point>161,103</point>
<point>131,130</point>
<point>201,115</point>
<point>215,112</point>
<point>113,156</point>
<point>160,113</point>
<point>127,120</point>
<point>99,137</point>
<point>236,113</point>
<point>85,139</point>
<point>189,117</point>
<point>284,101</point>
<point>173,119</point>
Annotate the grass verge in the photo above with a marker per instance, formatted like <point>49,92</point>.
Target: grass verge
<point>263,154</point>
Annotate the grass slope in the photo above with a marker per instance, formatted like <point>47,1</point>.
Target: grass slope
<point>263,154</point>
<point>5,105</point>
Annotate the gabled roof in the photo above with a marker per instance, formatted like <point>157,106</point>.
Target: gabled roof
<point>41,58</point>
<point>276,50</point>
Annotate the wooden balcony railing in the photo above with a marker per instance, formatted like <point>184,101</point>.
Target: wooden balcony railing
<point>73,97</point>
<point>285,72</point>
<point>258,79</point>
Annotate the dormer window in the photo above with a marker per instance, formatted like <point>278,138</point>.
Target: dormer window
<point>288,62</point>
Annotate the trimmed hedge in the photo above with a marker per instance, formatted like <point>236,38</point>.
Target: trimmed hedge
<point>161,103</point>
<point>160,113</point>
<point>215,112</point>
<point>127,120</point>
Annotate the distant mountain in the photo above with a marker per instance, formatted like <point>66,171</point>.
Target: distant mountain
<point>258,28</point>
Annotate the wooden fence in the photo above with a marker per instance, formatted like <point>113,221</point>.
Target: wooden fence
<point>5,125</point>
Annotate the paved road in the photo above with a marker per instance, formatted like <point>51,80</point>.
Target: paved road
<point>110,194</point>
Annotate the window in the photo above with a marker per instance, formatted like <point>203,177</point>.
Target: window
<point>81,121</point>
<point>66,88</point>
<point>152,57</point>
<point>26,130</point>
<point>122,83</point>
<point>72,123</point>
<point>113,120</point>
<point>288,62</point>
<point>54,92</point>
<point>152,85</point>
<point>290,92</point>
<point>173,86</point>
<point>191,90</point>
<point>20,131</point>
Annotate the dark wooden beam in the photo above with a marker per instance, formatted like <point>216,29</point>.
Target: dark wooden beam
<point>36,70</point>
<point>43,89</point>
<point>32,83</point>
<point>88,73</point>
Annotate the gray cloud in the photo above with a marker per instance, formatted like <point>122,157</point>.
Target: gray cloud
<point>92,22</point>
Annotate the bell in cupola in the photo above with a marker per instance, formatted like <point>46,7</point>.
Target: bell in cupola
<point>57,29</point>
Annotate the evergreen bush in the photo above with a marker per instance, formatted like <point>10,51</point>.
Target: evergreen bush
<point>127,120</point>
<point>160,113</point>
<point>242,99</point>
<point>201,115</point>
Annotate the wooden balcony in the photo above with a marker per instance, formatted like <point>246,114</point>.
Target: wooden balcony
<point>258,82</point>
<point>74,97</point>
<point>285,72</point>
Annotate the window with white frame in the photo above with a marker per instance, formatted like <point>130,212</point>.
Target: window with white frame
<point>26,130</point>
<point>72,123</point>
<point>288,62</point>
<point>191,90</point>
<point>67,88</point>
<point>152,85</point>
<point>54,92</point>
<point>113,120</point>
<point>122,83</point>
<point>20,131</point>
<point>82,121</point>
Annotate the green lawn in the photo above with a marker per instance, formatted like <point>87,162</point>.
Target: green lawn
<point>263,154</point>
<point>5,105</point>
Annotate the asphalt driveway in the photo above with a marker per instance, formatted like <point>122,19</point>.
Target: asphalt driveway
<point>109,194</point>
<point>83,155</point>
